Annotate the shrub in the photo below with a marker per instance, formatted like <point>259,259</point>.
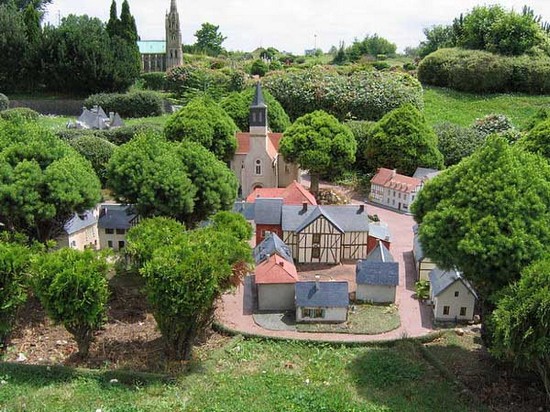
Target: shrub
<point>72,287</point>
<point>70,134</point>
<point>189,80</point>
<point>97,150</point>
<point>409,66</point>
<point>456,142</point>
<point>4,102</point>
<point>124,134</point>
<point>422,288</point>
<point>381,65</point>
<point>537,140</point>
<point>237,81</point>
<point>492,123</point>
<point>259,68</point>
<point>363,131</point>
<point>133,104</point>
<point>21,113</point>
<point>154,80</point>
<point>540,116</point>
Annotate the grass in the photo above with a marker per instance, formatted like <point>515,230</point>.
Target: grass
<point>252,375</point>
<point>445,105</point>
<point>60,122</point>
<point>366,319</point>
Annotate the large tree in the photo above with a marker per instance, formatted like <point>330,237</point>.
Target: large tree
<point>488,216</point>
<point>403,140</point>
<point>23,4</point>
<point>203,121</point>
<point>43,181</point>
<point>14,46</point>
<point>318,142</point>
<point>209,40</point>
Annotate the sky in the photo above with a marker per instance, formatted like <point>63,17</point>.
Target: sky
<point>292,25</point>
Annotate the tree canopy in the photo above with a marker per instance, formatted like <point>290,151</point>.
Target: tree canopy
<point>209,40</point>
<point>43,181</point>
<point>537,140</point>
<point>318,142</point>
<point>403,140</point>
<point>456,142</point>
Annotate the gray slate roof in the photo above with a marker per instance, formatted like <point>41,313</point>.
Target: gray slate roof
<point>270,245</point>
<point>347,218</point>
<point>417,246</point>
<point>380,254</point>
<point>268,211</point>
<point>80,221</point>
<point>425,173</point>
<point>245,209</point>
<point>115,216</point>
<point>440,280</point>
<point>379,231</point>
<point>377,273</point>
<point>329,294</point>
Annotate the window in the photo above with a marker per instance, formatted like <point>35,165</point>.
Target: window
<point>316,238</point>
<point>121,244</point>
<point>456,294</point>
<point>462,311</point>
<point>258,168</point>
<point>446,310</point>
<point>399,195</point>
<point>253,117</point>
<point>315,313</point>
<point>109,231</point>
<point>315,252</point>
<point>110,243</point>
<point>120,231</point>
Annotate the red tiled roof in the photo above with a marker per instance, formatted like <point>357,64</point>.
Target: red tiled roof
<point>276,270</point>
<point>293,194</point>
<point>388,178</point>
<point>243,143</point>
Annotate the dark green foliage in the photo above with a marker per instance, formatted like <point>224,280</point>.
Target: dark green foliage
<point>23,4</point>
<point>340,57</point>
<point>437,37</point>
<point>259,68</point>
<point>127,28</point>
<point>149,173</point>
<point>216,185</point>
<point>4,102</point>
<point>117,136</point>
<point>203,121</point>
<point>275,65</point>
<point>191,80</point>
<point>540,116</point>
<point>113,23</point>
<point>43,181</point>
<point>484,72</point>
<point>72,288</point>
<point>521,322</point>
<point>237,106</point>
<point>209,40</point>
<point>14,48</point>
<point>488,216</point>
<point>154,80</point>
<point>362,131</point>
<point>19,113</point>
<point>237,81</point>
<point>133,104</point>
<point>537,140</point>
<point>14,262</point>
<point>370,46</point>
<point>457,142</point>
<point>186,278</point>
<point>362,95</point>
<point>318,142</point>
<point>97,150</point>
<point>403,140</point>
<point>235,223</point>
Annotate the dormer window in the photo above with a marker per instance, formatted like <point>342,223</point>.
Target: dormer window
<point>258,167</point>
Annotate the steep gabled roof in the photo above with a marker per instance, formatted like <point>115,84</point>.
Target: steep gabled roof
<point>275,270</point>
<point>116,216</point>
<point>379,254</point>
<point>272,244</point>
<point>347,218</point>
<point>440,280</point>
<point>243,142</point>
<point>80,221</point>
<point>322,294</point>
<point>293,194</point>
<point>317,213</point>
<point>268,211</point>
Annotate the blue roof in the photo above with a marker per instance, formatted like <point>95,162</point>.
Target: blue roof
<point>245,209</point>
<point>348,218</point>
<point>440,280</point>
<point>270,245</point>
<point>268,211</point>
<point>116,216</point>
<point>377,273</point>
<point>80,221</point>
<point>329,294</point>
<point>152,46</point>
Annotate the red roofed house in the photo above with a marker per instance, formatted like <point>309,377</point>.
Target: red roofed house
<point>276,278</point>
<point>394,190</point>
<point>293,194</point>
<point>257,162</point>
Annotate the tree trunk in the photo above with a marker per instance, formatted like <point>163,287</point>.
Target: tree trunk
<point>314,185</point>
<point>543,368</point>
<point>83,336</point>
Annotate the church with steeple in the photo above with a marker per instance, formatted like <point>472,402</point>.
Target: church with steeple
<point>257,162</point>
<point>162,55</point>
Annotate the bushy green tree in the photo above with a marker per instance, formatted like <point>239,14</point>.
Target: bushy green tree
<point>362,131</point>
<point>318,142</point>
<point>456,142</point>
<point>203,121</point>
<point>72,287</point>
<point>192,80</point>
<point>237,106</point>
<point>235,223</point>
<point>43,181</point>
<point>14,47</point>
<point>209,40</point>
<point>521,321</point>
<point>488,216</point>
<point>97,150</point>
<point>4,102</point>
<point>259,68</point>
<point>537,140</point>
<point>437,37</point>
<point>371,46</point>
<point>23,4</point>
<point>185,279</point>
<point>14,264</point>
<point>403,140</point>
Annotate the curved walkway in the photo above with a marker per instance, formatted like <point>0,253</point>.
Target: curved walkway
<point>416,319</point>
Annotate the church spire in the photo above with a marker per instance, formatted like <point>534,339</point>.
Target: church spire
<point>173,37</point>
<point>258,112</point>
<point>258,97</point>
<point>173,7</point>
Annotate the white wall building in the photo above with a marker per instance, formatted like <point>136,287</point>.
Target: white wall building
<point>452,296</point>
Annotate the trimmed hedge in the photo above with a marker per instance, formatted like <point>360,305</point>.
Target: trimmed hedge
<point>478,71</point>
<point>4,102</point>
<point>154,80</point>
<point>134,104</point>
<point>118,136</point>
<point>19,113</point>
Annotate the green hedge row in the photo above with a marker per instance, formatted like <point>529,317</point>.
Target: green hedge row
<point>117,136</point>
<point>483,72</point>
<point>134,104</point>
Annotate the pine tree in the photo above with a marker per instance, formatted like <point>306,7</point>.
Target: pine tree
<point>128,29</point>
<point>114,23</point>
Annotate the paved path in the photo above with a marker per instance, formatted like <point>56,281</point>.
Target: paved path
<point>235,310</point>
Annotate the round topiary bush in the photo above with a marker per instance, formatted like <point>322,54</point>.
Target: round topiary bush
<point>4,102</point>
<point>19,113</point>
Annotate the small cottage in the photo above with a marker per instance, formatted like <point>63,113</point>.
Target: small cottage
<point>452,296</point>
<point>114,222</point>
<point>377,276</point>
<point>275,278</point>
<point>272,244</point>
<point>80,232</point>
<point>423,264</point>
<point>322,301</point>
<point>293,194</point>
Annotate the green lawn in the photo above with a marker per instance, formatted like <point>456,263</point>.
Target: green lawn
<point>252,375</point>
<point>444,105</point>
<point>366,319</point>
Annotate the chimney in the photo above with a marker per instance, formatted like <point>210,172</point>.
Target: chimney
<point>304,207</point>
<point>393,173</point>
<point>282,263</point>
<point>317,283</point>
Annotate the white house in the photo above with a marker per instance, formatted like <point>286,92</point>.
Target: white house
<point>80,232</point>
<point>377,276</point>
<point>322,301</point>
<point>394,190</point>
<point>275,279</point>
<point>114,222</point>
<point>452,296</point>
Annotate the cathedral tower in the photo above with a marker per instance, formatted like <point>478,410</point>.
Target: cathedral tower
<point>173,37</point>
